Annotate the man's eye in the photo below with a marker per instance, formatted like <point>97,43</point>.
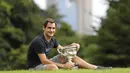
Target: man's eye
<point>49,27</point>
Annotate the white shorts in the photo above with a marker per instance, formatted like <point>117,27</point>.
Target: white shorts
<point>54,59</point>
<point>39,67</point>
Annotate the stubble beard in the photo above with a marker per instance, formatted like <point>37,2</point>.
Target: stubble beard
<point>49,35</point>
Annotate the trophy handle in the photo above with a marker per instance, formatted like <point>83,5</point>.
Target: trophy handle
<point>59,51</point>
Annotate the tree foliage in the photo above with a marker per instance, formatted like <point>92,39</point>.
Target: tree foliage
<point>20,22</point>
<point>113,36</point>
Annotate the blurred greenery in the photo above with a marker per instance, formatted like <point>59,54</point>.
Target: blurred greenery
<point>114,35</point>
<point>22,20</point>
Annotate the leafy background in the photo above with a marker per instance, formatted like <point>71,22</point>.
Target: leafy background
<point>22,20</point>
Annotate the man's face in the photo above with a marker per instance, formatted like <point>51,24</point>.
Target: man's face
<point>50,29</point>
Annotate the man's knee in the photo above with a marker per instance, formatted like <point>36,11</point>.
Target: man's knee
<point>51,67</point>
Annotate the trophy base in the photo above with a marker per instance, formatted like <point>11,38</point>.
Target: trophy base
<point>75,67</point>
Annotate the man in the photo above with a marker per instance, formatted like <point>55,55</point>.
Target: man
<point>41,45</point>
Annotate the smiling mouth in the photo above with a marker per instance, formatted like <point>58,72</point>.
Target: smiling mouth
<point>51,33</point>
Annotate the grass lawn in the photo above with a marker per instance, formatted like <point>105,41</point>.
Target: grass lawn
<point>114,70</point>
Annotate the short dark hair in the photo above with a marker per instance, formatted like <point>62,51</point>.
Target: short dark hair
<point>50,20</point>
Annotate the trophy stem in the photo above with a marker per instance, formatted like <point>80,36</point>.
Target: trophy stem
<point>70,60</point>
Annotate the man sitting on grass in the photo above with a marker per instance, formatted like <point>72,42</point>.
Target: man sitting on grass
<point>42,44</point>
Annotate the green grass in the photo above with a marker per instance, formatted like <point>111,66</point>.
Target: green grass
<point>114,70</point>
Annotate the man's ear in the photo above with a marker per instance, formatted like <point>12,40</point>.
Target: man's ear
<point>43,28</point>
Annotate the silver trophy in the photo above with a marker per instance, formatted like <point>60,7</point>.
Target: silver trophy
<point>69,52</point>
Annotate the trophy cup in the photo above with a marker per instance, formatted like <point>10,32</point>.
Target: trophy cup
<point>69,52</point>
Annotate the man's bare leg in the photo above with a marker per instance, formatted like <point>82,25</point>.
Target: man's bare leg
<point>83,64</point>
<point>51,67</point>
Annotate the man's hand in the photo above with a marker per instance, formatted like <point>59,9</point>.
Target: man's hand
<point>76,44</point>
<point>59,46</point>
<point>69,65</point>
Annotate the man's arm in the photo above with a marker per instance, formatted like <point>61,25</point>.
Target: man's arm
<point>59,46</point>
